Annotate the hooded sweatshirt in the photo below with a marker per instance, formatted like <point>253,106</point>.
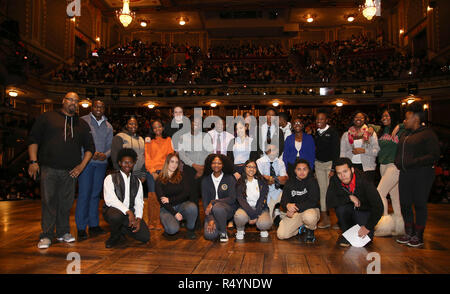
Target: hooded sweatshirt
<point>60,139</point>
<point>304,193</point>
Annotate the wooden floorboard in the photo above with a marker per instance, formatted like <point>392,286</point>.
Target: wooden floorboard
<point>20,228</point>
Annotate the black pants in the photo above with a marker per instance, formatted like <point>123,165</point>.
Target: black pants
<point>370,174</point>
<point>414,188</point>
<point>190,173</point>
<point>119,225</point>
<point>57,193</point>
<point>348,216</point>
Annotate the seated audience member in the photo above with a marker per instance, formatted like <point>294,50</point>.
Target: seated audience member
<point>300,200</point>
<point>124,202</point>
<point>251,194</point>
<point>172,191</point>
<point>355,199</point>
<point>273,170</point>
<point>218,196</point>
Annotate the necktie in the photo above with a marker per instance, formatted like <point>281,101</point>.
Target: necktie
<point>272,170</point>
<point>218,145</point>
<point>269,137</point>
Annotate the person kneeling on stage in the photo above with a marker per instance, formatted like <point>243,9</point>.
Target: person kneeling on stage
<point>218,196</point>
<point>355,199</point>
<point>251,194</point>
<point>300,200</point>
<point>172,191</point>
<point>124,202</point>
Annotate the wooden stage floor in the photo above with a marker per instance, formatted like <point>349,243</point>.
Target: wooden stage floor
<point>20,228</point>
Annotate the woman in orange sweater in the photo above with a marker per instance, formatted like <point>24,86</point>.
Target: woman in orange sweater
<point>156,151</point>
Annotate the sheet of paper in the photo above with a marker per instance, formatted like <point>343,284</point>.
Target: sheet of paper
<point>352,236</point>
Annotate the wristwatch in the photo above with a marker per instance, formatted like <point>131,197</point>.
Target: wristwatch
<point>33,161</point>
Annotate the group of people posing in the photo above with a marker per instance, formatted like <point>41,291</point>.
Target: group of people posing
<point>271,174</point>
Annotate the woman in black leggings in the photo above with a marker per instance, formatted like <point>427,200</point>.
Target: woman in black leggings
<point>417,152</point>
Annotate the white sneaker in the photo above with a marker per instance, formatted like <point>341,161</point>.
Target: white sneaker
<point>44,243</point>
<point>264,234</point>
<point>67,237</point>
<point>224,237</point>
<point>240,235</point>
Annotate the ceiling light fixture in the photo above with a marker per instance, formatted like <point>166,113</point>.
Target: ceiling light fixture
<point>13,93</point>
<point>369,9</point>
<point>125,15</point>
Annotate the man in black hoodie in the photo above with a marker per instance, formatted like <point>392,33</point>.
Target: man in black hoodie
<point>300,200</point>
<point>355,199</point>
<point>417,152</point>
<point>55,143</point>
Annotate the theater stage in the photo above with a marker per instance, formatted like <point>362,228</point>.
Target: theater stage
<point>20,228</point>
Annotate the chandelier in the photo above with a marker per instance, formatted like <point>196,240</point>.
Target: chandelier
<point>125,15</point>
<point>369,9</point>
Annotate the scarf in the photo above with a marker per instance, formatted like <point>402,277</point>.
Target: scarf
<point>363,133</point>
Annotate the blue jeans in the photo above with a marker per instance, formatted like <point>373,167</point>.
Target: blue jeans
<point>90,185</point>
<point>151,181</point>
<point>171,225</point>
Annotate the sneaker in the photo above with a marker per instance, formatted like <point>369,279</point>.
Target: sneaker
<point>81,235</point>
<point>301,229</point>
<point>44,243</point>
<point>264,234</point>
<point>240,235</point>
<point>405,239</point>
<point>223,237</point>
<point>415,241</point>
<point>67,237</point>
<point>95,231</point>
<point>343,242</point>
<point>309,236</point>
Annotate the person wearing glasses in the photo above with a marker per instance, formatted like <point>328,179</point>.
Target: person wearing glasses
<point>54,147</point>
<point>251,194</point>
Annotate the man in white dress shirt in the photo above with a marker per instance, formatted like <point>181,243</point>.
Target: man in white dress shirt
<point>124,202</point>
<point>219,137</point>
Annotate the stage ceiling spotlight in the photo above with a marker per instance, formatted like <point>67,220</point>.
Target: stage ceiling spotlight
<point>85,103</point>
<point>13,93</point>
<point>275,103</point>
<point>151,105</point>
<point>213,104</point>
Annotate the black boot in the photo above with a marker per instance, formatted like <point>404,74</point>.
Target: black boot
<point>309,236</point>
<point>409,233</point>
<point>417,239</point>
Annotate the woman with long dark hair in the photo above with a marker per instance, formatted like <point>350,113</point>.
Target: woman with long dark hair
<point>360,145</point>
<point>172,191</point>
<point>218,196</point>
<point>388,142</point>
<point>251,194</point>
